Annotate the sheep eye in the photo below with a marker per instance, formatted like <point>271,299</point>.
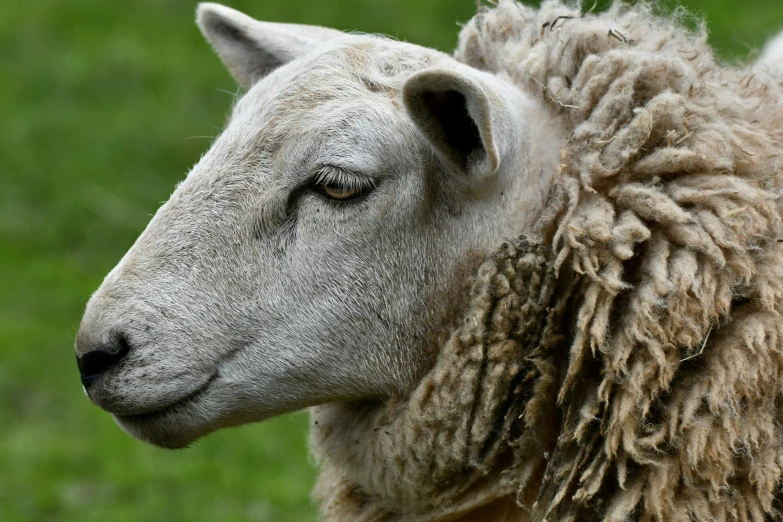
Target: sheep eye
<point>340,185</point>
<point>340,193</point>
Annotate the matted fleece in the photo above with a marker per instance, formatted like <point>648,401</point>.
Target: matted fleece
<point>624,363</point>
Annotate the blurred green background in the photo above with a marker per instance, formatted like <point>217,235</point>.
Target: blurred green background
<point>104,105</point>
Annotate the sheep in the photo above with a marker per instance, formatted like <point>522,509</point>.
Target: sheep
<point>538,281</point>
<point>771,60</point>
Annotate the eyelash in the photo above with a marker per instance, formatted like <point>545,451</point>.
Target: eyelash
<point>332,182</point>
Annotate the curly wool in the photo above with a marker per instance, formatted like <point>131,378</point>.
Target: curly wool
<point>660,399</point>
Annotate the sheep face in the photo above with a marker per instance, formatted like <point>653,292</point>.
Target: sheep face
<point>309,256</point>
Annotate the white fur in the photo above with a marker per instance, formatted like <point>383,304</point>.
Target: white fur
<point>771,58</point>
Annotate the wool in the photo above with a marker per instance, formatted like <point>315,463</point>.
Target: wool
<point>630,369</point>
<point>487,392</point>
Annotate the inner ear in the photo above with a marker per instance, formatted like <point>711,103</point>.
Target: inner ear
<point>249,60</point>
<point>221,28</point>
<point>453,110</point>
<point>451,119</point>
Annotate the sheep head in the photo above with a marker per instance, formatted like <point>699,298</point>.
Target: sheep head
<point>314,252</point>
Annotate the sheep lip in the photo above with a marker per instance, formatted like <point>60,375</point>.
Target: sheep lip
<point>181,403</point>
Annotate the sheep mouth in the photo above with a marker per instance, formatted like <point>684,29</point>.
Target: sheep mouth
<point>167,426</point>
<point>183,402</point>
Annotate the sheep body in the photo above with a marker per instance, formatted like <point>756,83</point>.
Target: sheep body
<point>631,367</point>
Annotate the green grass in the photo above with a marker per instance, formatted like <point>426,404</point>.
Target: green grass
<point>104,105</point>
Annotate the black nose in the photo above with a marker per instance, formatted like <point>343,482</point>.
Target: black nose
<point>100,359</point>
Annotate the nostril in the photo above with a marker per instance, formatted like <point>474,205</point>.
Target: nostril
<point>97,361</point>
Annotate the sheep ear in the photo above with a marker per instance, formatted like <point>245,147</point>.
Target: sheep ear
<point>252,49</point>
<point>467,115</point>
